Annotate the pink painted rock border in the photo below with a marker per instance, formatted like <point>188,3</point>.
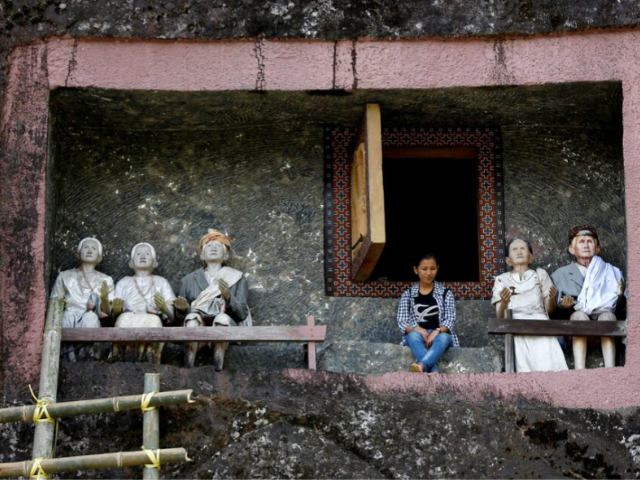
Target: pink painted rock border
<point>305,65</point>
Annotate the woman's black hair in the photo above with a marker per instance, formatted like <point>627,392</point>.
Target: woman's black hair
<point>506,252</point>
<point>424,256</point>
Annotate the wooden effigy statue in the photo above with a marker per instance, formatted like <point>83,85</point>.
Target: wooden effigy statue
<point>589,289</point>
<point>144,300</point>
<point>530,295</point>
<point>214,295</point>
<point>87,293</point>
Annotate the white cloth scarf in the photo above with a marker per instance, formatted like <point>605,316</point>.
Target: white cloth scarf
<point>600,289</point>
<point>205,303</point>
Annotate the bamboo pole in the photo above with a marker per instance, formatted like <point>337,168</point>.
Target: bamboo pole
<point>103,405</point>
<point>49,368</point>
<point>151,424</point>
<point>92,462</point>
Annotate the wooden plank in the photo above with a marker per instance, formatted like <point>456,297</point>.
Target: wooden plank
<point>367,197</point>
<point>557,327</point>
<point>426,153</point>
<point>359,203</point>
<point>509,348</point>
<point>201,334</point>
<point>509,353</point>
<point>311,351</point>
<point>374,162</point>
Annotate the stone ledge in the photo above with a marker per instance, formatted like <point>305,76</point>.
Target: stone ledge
<point>361,357</point>
<point>379,358</point>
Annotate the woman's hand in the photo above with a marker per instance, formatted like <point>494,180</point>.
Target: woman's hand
<point>423,332</point>
<point>432,336</point>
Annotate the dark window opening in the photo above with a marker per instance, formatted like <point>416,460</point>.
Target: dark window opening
<point>431,204</point>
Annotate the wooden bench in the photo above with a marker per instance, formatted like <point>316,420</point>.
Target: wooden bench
<point>551,328</point>
<point>310,334</point>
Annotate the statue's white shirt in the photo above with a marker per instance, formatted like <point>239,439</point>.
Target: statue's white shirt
<point>139,303</point>
<point>75,289</point>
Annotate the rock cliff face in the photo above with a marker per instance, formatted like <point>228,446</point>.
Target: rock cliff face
<point>276,425</point>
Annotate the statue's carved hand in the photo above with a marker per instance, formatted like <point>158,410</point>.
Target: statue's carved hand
<point>181,304</point>
<point>104,297</point>
<point>505,296</point>
<point>116,307</point>
<point>224,289</point>
<point>567,301</point>
<point>161,304</point>
<point>553,291</point>
<point>621,287</point>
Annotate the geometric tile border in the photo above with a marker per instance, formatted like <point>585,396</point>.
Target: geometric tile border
<point>337,220</point>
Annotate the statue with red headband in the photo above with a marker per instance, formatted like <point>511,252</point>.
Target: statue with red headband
<point>589,289</point>
<point>214,295</point>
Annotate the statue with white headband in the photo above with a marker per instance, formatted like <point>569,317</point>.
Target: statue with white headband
<point>213,295</point>
<point>87,293</point>
<point>146,300</point>
<point>589,289</point>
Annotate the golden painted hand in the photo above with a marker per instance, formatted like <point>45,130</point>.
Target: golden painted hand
<point>161,305</point>
<point>104,298</point>
<point>181,304</point>
<point>117,305</point>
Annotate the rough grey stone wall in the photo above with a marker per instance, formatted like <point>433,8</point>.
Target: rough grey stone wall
<point>265,425</point>
<point>166,167</point>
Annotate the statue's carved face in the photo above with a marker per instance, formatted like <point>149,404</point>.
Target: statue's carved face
<point>584,247</point>
<point>214,251</point>
<point>90,253</point>
<point>142,258</point>
<point>519,254</point>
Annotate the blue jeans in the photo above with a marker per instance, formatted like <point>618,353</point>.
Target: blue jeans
<point>428,358</point>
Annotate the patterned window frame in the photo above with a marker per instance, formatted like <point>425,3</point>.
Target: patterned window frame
<point>337,231</point>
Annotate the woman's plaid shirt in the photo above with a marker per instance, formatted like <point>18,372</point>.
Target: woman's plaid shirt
<point>446,310</point>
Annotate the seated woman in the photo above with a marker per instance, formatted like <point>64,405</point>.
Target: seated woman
<point>427,316</point>
<point>531,296</point>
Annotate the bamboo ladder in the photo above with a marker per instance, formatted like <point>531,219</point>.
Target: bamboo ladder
<point>42,463</point>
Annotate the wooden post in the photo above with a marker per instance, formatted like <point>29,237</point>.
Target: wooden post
<point>151,424</point>
<point>49,368</point>
<point>509,347</point>
<point>92,462</point>
<point>311,352</point>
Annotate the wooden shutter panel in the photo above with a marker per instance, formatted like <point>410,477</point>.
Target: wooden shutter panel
<point>368,234</point>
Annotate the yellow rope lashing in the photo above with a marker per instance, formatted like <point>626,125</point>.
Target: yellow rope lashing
<point>146,399</point>
<point>41,409</point>
<point>155,461</point>
<point>37,471</point>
